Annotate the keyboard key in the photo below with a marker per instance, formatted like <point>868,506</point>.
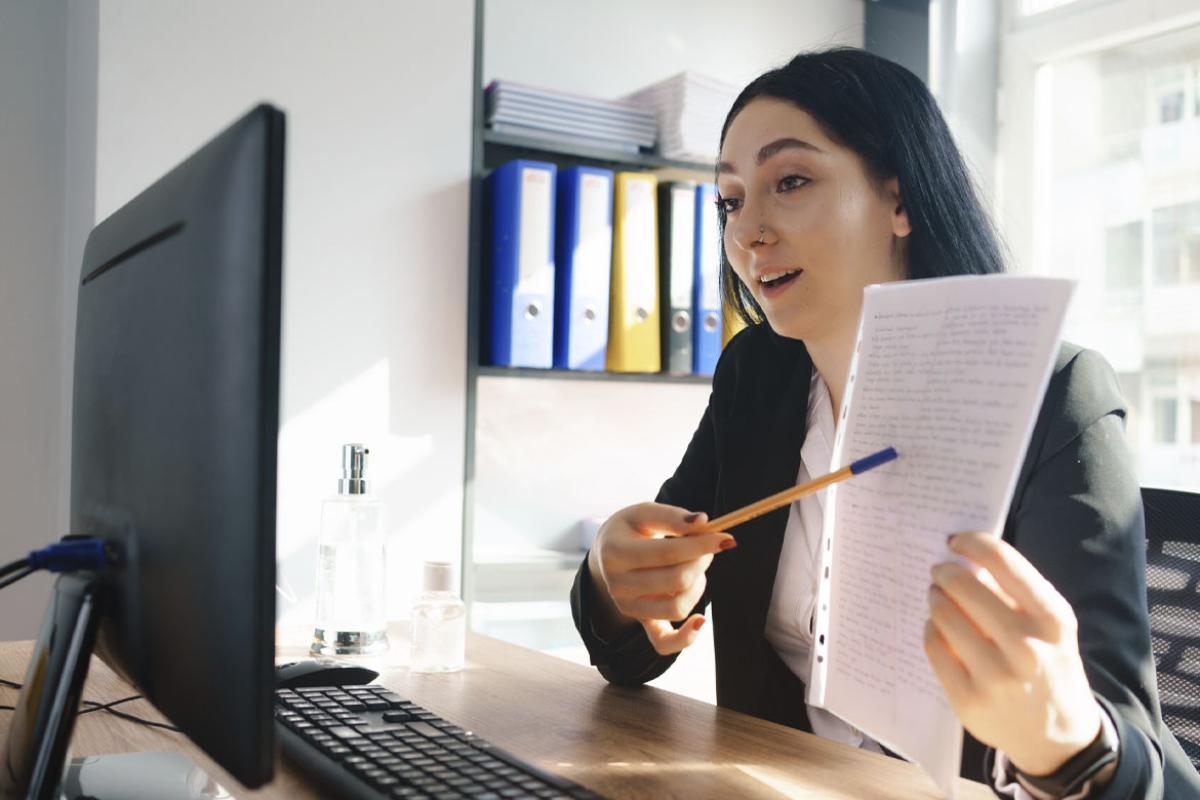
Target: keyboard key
<point>397,716</point>
<point>423,728</point>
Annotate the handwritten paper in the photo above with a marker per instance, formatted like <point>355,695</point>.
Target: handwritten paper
<point>951,372</point>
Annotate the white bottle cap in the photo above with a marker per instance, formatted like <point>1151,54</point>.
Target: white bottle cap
<point>438,577</point>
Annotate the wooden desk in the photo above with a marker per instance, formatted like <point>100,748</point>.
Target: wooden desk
<point>624,743</point>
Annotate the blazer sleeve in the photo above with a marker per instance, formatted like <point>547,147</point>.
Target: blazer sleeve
<point>631,659</point>
<point>1078,519</point>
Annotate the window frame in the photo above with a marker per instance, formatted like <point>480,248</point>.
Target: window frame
<point>1027,44</point>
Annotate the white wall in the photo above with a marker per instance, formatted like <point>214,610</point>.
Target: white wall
<point>608,48</point>
<point>551,453</point>
<point>47,94</point>
<point>377,95</point>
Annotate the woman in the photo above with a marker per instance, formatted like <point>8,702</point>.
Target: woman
<point>838,171</point>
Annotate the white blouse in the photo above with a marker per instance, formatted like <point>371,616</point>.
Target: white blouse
<point>790,616</point>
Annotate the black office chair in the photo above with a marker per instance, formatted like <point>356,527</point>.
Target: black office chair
<point>1173,589</point>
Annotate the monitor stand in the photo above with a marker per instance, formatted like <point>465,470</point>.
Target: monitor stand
<point>33,757</point>
<point>139,776</point>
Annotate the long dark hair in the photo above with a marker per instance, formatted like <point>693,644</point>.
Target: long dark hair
<point>885,114</point>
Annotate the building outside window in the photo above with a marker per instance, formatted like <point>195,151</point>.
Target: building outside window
<point>1102,107</point>
<point>1166,414</point>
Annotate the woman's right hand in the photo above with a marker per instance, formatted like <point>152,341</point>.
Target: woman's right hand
<point>647,565</point>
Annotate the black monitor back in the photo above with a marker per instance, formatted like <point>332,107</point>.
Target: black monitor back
<point>176,415</point>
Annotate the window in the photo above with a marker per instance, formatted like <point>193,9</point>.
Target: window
<point>1165,417</point>
<point>1176,244</point>
<point>1099,181</point>
<point>1123,256</point>
<point>1196,90</point>
<point>1170,106</point>
<point>1169,89</point>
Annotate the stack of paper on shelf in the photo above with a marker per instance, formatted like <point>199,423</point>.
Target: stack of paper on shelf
<point>690,109</point>
<point>569,119</point>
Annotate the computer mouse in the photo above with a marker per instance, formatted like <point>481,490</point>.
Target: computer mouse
<point>321,672</point>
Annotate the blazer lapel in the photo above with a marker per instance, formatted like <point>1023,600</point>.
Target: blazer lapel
<point>771,460</point>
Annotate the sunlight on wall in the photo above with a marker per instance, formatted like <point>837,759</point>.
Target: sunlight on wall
<point>310,445</point>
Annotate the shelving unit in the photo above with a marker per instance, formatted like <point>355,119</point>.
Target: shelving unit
<point>501,147</point>
<point>490,150</point>
<point>580,375</point>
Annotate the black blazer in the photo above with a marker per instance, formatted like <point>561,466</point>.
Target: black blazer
<point>1076,515</point>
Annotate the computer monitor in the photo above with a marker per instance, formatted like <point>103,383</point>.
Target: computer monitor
<point>173,459</point>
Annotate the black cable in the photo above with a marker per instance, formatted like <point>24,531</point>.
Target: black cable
<point>14,566</point>
<point>16,576</point>
<point>94,706</point>
<point>97,706</point>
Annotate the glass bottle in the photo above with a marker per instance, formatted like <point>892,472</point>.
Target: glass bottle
<point>439,622</point>
<point>351,593</point>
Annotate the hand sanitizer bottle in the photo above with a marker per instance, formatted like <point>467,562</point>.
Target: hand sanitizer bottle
<point>351,613</point>
<point>439,623</point>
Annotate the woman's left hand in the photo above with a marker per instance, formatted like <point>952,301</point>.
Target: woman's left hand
<point>1004,644</point>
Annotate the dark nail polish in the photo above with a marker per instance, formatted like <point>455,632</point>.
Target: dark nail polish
<point>690,518</point>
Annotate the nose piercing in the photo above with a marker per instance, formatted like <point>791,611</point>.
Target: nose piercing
<point>761,230</point>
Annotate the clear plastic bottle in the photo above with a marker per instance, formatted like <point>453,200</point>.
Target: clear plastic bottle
<point>351,588</point>
<point>439,623</point>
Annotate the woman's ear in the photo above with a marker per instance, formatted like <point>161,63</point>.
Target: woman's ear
<point>901,227</point>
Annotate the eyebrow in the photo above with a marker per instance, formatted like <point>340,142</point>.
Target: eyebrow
<point>771,149</point>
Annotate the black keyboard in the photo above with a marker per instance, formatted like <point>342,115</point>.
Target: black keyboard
<point>367,742</point>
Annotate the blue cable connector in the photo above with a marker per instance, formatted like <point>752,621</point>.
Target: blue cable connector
<point>71,555</point>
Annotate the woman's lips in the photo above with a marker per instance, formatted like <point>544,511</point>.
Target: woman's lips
<point>779,286</point>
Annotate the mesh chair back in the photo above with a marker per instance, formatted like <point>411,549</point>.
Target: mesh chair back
<point>1173,589</point>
